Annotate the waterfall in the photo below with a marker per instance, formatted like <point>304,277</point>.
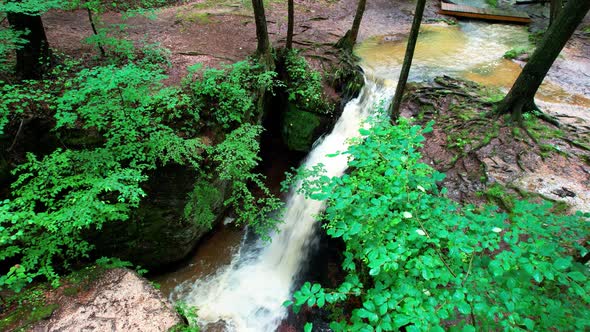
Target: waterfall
<point>248,294</point>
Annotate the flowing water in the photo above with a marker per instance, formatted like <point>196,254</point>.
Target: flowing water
<point>247,294</point>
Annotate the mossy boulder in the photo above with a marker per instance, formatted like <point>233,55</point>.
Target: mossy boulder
<point>300,129</point>
<point>177,211</point>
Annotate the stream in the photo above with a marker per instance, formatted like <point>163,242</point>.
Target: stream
<point>239,281</point>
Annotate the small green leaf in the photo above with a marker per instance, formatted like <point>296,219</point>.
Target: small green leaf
<point>562,263</point>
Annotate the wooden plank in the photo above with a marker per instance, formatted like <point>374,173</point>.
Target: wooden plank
<point>483,13</point>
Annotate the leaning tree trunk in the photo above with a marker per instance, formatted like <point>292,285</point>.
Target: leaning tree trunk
<point>520,99</point>
<point>554,9</point>
<point>347,42</point>
<point>93,26</point>
<point>263,49</point>
<point>403,76</point>
<point>30,56</point>
<point>290,24</point>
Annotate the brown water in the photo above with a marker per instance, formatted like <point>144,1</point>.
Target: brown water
<point>214,251</point>
<point>471,50</point>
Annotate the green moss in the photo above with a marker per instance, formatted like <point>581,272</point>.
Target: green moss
<point>30,308</point>
<point>71,291</point>
<point>505,197</point>
<point>497,194</point>
<point>41,313</point>
<point>299,128</point>
<point>194,17</point>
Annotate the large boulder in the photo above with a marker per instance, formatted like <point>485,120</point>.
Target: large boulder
<point>118,300</point>
<point>177,211</point>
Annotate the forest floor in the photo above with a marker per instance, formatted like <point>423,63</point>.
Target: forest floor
<point>214,32</point>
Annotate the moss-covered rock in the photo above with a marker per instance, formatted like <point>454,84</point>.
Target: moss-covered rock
<point>300,129</point>
<point>177,212</point>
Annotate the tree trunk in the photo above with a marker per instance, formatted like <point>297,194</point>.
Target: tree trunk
<point>290,24</point>
<point>263,50</point>
<point>554,9</point>
<point>403,76</point>
<point>30,56</point>
<point>93,26</point>
<point>347,42</point>
<point>520,99</point>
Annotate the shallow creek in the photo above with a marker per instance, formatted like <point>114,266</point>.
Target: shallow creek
<point>242,281</point>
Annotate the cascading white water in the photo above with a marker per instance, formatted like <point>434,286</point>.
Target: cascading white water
<point>248,294</point>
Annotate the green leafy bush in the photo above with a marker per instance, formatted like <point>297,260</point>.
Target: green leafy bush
<point>418,261</point>
<point>225,97</point>
<point>27,98</point>
<point>189,314</point>
<point>59,196</point>
<point>304,85</point>
<point>143,125</point>
<point>10,41</point>
<point>236,157</point>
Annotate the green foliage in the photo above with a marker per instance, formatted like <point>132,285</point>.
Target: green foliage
<point>225,97</point>
<point>31,7</point>
<point>113,39</point>
<point>24,98</point>
<point>201,202</point>
<point>417,260</point>
<point>515,52</point>
<point>189,314</point>
<point>134,111</point>
<point>304,85</point>
<point>143,125</point>
<point>492,3</point>
<point>236,157</point>
<point>10,41</point>
<point>59,196</point>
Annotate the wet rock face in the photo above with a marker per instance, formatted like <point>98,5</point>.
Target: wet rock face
<point>119,300</point>
<point>300,128</point>
<point>168,223</point>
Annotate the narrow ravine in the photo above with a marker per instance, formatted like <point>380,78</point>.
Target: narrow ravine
<point>247,294</point>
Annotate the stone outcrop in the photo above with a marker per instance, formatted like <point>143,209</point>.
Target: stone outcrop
<point>177,211</point>
<point>119,300</point>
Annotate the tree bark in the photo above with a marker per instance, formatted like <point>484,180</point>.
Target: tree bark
<point>263,49</point>
<point>554,9</point>
<point>356,24</point>
<point>93,26</point>
<point>520,99</point>
<point>290,24</point>
<point>347,42</point>
<point>403,76</point>
<point>30,55</point>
